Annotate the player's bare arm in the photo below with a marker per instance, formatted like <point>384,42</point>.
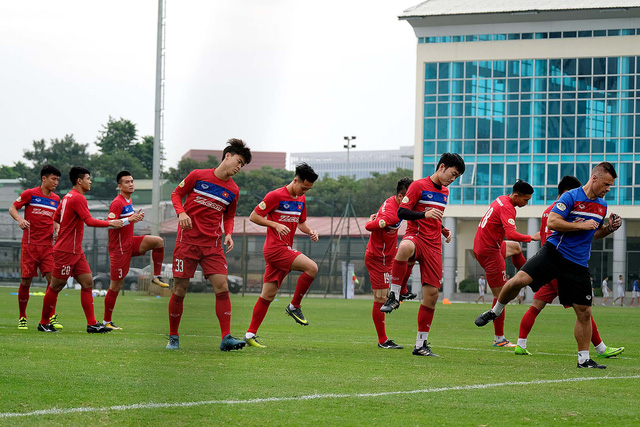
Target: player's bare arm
<point>447,234</point>
<point>305,229</point>
<point>185,221</point>
<point>115,223</point>
<point>260,220</point>
<point>22,223</point>
<point>228,242</point>
<point>614,223</point>
<point>557,223</point>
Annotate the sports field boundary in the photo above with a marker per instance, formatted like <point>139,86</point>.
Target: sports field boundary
<point>151,405</point>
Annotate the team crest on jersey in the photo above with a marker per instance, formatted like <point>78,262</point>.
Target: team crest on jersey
<point>225,194</point>
<point>405,199</point>
<point>181,184</point>
<point>561,206</point>
<point>38,199</point>
<point>111,215</point>
<point>511,221</point>
<point>262,205</point>
<point>382,224</point>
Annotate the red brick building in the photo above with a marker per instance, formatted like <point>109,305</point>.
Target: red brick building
<point>275,159</point>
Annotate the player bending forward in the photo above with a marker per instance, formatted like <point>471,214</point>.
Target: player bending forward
<point>282,211</point>
<point>576,219</point>
<point>69,259</point>
<point>123,245</point>
<point>423,206</point>
<point>549,291</point>
<point>211,201</point>
<point>379,255</point>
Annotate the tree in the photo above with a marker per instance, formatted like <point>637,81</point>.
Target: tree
<point>187,165</point>
<point>117,135</point>
<point>255,184</point>
<point>143,151</point>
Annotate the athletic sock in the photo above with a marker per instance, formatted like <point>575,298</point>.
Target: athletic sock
<point>425,317</point>
<point>522,342</point>
<point>378,322</point>
<point>518,260</point>
<point>259,312</point>
<point>48,304</point>
<point>498,322</point>
<point>600,348</point>
<point>157,255</point>
<point>398,271</point>
<point>302,286</point>
<point>109,304</point>
<point>595,335</point>
<point>86,299</point>
<point>175,313</point>
<point>23,299</point>
<point>404,289</point>
<point>498,307</point>
<point>527,322</point>
<point>499,337</point>
<point>53,311</point>
<point>223,311</point>
<point>583,356</point>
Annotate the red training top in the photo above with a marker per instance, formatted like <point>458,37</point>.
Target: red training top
<point>72,215</point>
<point>39,212</point>
<point>384,230</point>
<point>283,208</point>
<point>421,196</point>
<point>499,222</point>
<point>544,230</point>
<point>120,238</point>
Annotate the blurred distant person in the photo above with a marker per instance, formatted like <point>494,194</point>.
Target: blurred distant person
<point>482,286</point>
<point>635,293</point>
<point>619,291</point>
<point>605,290</point>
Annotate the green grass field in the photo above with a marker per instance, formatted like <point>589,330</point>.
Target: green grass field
<point>329,373</point>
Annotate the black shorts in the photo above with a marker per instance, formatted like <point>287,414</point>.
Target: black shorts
<point>574,280</point>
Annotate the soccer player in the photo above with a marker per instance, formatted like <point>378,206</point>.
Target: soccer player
<point>68,257</point>
<point>482,284</point>
<point>123,245</point>
<point>619,291</point>
<point>576,219</point>
<point>211,201</point>
<point>635,293</point>
<point>379,255</point>
<point>36,249</point>
<point>423,206</point>
<point>490,247</point>
<point>605,290</point>
<point>546,294</point>
<point>282,211</point>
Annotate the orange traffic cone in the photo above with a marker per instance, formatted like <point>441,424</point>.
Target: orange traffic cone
<point>446,301</point>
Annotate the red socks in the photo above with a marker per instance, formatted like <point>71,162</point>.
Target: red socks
<point>398,271</point>
<point>175,313</point>
<point>378,322</point>
<point>86,299</point>
<point>518,260</point>
<point>527,322</point>
<point>425,317</point>
<point>157,255</point>
<point>23,299</point>
<point>259,312</point>
<point>403,288</point>
<point>498,323</point>
<point>595,336</point>
<point>109,304</point>
<point>303,285</point>
<point>48,305</point>
<point>223,311</point>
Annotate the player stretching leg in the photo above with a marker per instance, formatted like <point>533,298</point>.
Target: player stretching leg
<point>282,211</point>
<point>69,259</point>
<point>423,206</point>
<point>211,201</point>
<point>576,219</point>
<point>123,245</point>
<point>546,294</point>
<point>491,249</point>
<point>379,254</point>
<point>36,248</point>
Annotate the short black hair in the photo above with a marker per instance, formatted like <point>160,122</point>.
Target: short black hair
<point>50,170</point>
<point>607,167</point>
<point>237,146</point>
<point>77,172</point>
<point>306,172</point>
<point>450,160</point>
<point>568,182</point>
<point>403,185</point>
<point>121,175</point>
<point>522,187</point>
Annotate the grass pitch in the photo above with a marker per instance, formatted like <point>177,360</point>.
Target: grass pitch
<point>328,373</point>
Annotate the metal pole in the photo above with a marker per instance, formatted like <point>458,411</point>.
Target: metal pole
<point>157,134</point>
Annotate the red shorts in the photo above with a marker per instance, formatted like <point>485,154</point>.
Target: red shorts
<point>429,258</point>
<point>67,265</point>
<point>187,257</point>
<point>279,262</point>
<point>548,292</point>
<point>494,266</point>
<point>379,272</point>
<point>120,261</point>
<point>34,257</point>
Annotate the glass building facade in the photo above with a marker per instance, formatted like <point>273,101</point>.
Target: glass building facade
<point>536,120</point>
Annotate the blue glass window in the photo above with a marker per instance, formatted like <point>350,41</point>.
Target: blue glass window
<point>538,174</point>
<point>431,71</point>
<point>428,147</point>
<point>497,174</point>
<point>524,171</point>
<point>582,172</point>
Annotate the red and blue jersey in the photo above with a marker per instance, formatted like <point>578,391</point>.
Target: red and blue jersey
<point>423,195</point>
<point>383,241</point>
<point>39,210</point>
<point>120,238</point>
<point>283,208</point>
<point>575,206</point>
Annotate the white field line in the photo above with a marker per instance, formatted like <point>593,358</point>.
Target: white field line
<point>151,405</point>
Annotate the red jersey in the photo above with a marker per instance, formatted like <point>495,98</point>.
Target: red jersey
<point>283,208</point>
<point>544,230</point>
<point>120,238</point>
<point>499,222</point>
<point>421,196</point>
<point>39,212</point>
<point>384,230</point>
<point>72,214</point>
<point>211,204</point>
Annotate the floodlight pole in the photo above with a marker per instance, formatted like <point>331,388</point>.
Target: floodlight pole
<point>157,134</point>
<point>348,146</point>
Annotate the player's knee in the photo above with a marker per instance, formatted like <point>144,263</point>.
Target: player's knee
<point>158,242</point>
<point>312,269</point>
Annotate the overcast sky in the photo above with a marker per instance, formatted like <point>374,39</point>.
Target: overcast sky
<point>284,75</point>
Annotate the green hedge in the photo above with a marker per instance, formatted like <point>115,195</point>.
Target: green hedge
<point>469,285</point>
